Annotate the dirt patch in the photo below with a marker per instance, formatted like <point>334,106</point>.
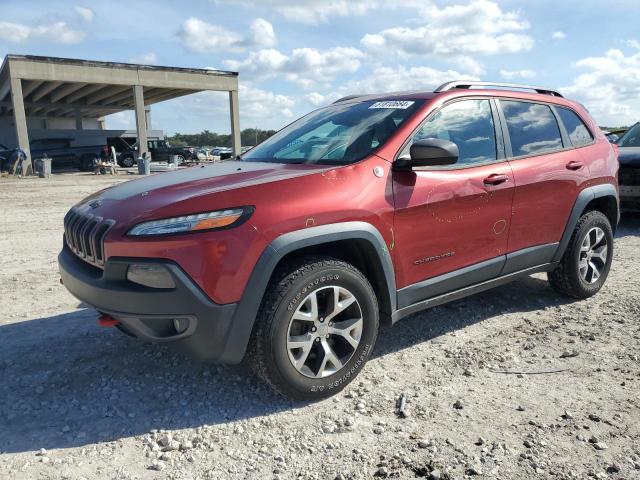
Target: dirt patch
<point>103,405</point>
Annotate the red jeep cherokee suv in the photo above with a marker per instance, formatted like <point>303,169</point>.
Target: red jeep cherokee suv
<point>370,209</point>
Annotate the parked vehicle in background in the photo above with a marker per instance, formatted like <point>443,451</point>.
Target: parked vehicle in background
<point>12,161</point>
<point>204,155</point>
<point>5,153</point>
<point>363,211</point>
<point>223,153</point>
<point>62,153</point>
<point>160,151</point>
<point>612,137</point>
<point>629,175</point>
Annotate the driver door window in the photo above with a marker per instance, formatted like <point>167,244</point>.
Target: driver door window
<point>468,124</point>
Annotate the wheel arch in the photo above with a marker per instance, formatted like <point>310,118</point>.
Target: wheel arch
<point>359,243</point>
<point>603,198</point>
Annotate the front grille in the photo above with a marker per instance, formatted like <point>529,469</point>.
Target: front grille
<point>84,234</point>
<point>629,176</point>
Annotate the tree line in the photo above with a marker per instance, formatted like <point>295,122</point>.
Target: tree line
<point>249,137</point>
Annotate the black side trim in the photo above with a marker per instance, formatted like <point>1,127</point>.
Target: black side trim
<point>529,257</point>
<point>455,280</point>
<point>584,197</point>
<point>244,317</point>
<point>465,292</point>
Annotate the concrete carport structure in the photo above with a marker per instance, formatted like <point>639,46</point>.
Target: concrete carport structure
<point>77,89</point>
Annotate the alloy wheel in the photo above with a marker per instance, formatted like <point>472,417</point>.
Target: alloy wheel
<point>593,255</point>
<point>324,332</point>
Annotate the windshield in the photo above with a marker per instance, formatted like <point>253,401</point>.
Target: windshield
<point>631,138</point>
<point>335,135</point>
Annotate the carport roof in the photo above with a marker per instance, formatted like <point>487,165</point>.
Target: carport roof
<point>62,87</point>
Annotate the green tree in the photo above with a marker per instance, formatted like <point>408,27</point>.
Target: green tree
<point>206,138</point>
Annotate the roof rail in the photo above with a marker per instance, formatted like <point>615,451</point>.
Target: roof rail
<point>348,97</point>
<point>471,83</point>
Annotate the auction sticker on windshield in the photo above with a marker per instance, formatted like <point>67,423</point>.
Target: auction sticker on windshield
<point>401,104</point>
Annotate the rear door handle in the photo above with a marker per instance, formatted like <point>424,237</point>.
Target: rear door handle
<point>574,165</point>
<point>496,179</point>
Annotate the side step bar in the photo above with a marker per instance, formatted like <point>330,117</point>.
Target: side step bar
<point>471,290</point>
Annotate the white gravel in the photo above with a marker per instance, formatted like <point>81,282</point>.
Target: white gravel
<point>79,401</point>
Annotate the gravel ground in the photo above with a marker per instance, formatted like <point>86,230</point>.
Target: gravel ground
<point>440,399</point>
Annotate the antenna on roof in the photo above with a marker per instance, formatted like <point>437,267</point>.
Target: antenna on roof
<point>467,84</point>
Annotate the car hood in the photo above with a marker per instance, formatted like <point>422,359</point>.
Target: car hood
<point>629,156</point>
<point>173,192</point>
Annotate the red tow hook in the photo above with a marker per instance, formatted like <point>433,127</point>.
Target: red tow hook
<point>105,320</point>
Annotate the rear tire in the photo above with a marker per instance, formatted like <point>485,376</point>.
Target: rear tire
<point>309,353</point>
<point>86,163</point>
<point>127,162</point>
<point>586,262</point>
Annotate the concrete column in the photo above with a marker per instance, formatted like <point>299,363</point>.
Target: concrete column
<point>78,115</point>
<point>20,122</point>
<point>147,115</point>
<point>141,121</point>
<point>235,122</point>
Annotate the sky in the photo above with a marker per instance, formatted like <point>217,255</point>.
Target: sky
<point>296,56</point>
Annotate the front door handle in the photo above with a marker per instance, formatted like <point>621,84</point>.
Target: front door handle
<point>496,179</point>
<point>574,165</point>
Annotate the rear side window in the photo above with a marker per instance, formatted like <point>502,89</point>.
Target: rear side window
<point>532,127</point>
<point>578,132</point>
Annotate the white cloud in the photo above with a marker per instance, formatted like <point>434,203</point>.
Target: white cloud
<point>317,99</point>
<point>199,36</point>
<point>470,65</point>
<point>634,44</point>
<point>262,33</point>
<point>511,74</point>
<point>258,107</point>
<point>85,13</point>
<point>56,32</point>
<point>477,28</point>
<point>305,66</point>
<point>558,35</point>
<point>399,78</point>
<point>150,58</point>
<point>311,12</point>
<point>609,88</point>
<point>390,79</point>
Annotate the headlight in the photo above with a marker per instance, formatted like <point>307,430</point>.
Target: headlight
<point>193,223</point>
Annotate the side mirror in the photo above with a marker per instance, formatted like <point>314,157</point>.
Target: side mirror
<point>429,152</point>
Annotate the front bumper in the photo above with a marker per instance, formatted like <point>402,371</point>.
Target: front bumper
<point>148,313</point>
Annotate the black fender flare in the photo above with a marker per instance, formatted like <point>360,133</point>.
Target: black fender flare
<point>584,197</point>
<point>247,308</point>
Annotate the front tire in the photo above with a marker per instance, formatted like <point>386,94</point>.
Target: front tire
<point>586,262</point>
<point>316,328</point>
